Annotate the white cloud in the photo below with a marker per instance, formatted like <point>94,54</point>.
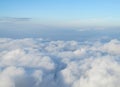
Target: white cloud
<point>40,63</point>
<point>9,75</point>
<point>113,47</point>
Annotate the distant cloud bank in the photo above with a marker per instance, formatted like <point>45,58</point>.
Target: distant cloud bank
<point>41,63</point>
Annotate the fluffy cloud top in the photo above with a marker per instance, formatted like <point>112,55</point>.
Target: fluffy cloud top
<point>42,63</point>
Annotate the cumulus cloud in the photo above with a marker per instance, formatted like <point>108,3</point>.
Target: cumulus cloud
<point>42,63</point>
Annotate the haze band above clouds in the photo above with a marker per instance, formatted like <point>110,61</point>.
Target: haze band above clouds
<point>42,63</point>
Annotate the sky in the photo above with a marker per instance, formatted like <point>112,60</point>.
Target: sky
<point>61,13</point>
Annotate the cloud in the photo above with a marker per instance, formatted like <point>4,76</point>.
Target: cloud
<point>113,47</point>
<point>42,63</point>
<point>13,19</point>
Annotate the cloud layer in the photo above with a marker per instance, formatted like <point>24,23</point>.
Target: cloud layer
<point>42,63</point>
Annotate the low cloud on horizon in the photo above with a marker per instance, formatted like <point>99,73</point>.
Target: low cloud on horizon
<point>84,24</point>
<point>14,19</point>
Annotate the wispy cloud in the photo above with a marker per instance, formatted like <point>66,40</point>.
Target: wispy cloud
<point>14,19</point>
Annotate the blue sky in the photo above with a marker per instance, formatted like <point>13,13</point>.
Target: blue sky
<point>63,13</point>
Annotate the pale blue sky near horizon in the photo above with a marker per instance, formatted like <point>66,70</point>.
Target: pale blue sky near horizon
<point>70,13</point>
